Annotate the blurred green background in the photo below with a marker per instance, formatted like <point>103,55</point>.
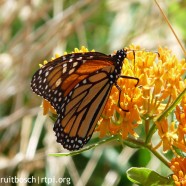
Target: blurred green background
<point>34,30</point>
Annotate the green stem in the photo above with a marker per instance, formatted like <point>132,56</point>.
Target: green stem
<point>147,125</point>
<point>150,133</point>
<point>158,155</point>
<point>171,107</point>
<point>112,138</point>
<point>150,148</point>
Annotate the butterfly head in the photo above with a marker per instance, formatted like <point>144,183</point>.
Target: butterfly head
<point>121,54</point>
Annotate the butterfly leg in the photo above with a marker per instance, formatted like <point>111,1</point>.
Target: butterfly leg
<point>118,87</point>
<point>130,77</point>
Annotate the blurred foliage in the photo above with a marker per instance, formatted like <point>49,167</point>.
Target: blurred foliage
<point>34,30</point>
<point>177,16</point>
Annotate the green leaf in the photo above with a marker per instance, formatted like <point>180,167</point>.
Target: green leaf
<point>146,177</point>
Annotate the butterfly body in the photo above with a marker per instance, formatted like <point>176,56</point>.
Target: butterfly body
<point>78,86</point>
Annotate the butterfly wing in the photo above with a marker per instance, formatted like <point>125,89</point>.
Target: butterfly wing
<point>81,110</point>
<point>57,78</point>
<point>77,86</point>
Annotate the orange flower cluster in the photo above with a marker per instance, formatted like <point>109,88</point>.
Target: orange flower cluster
<point>181,118</point>
<point>160,84</point>
<point>174,134</point>
<point>178,166</point>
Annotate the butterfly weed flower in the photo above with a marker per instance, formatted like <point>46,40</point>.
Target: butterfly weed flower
<point>159,78</point>
<point>180,113</point>
<point>160,82</point>
<point>178,166</point>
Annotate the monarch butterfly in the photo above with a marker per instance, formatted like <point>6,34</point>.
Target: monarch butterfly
<point>77,86</point>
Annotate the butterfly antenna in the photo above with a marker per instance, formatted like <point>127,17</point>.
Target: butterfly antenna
<point>166,19</point>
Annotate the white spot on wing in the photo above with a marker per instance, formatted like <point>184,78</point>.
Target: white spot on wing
<point>64,65</point>
<point>50,68</point>
<point>58,82</point>
<point>70,93</point>
<point>64,69</point>
<point>40,72</point>
<point>79,58</point>
<point>75,64</point>
<point>84,81</point>
<point>80,141</point>
<point>46,74</point>
<point>71,71</point>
